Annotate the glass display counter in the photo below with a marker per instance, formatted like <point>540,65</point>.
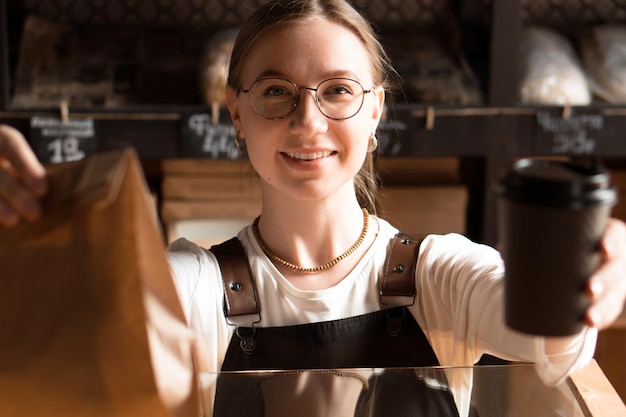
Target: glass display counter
<point>481,391</point>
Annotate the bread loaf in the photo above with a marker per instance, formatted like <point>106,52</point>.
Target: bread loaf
<point>550,70</point>
<point>214,67</point>
<point>603,50</point>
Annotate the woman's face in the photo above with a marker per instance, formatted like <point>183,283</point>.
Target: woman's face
<point>306,155</point>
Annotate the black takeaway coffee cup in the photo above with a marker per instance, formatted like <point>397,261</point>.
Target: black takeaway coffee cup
<point>551,216</point>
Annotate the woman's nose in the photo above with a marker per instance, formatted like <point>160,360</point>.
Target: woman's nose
<point>307,116</point>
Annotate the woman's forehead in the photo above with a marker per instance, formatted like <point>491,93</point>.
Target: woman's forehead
<point>309,49</point>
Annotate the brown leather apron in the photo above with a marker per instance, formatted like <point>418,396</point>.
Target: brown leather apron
<point>325,356</point>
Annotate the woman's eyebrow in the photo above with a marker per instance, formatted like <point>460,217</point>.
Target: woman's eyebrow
<point>270,74</point>
<point>331,74</point>
<point>343,74</point>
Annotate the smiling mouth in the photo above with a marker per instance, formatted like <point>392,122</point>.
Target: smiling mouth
<point>309,156</point>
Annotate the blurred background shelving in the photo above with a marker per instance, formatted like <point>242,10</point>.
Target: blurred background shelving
<point>130,73</point>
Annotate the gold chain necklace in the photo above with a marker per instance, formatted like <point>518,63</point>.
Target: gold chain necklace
<point>277,259</point>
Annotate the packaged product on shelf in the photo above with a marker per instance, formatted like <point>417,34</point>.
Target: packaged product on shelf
<point>208,201</point>
<point>550,70</point>
<point>432,72</point>
<point>603,49</point>
<point>217,187</point>
<point>54,65</point>
<point>423,195</point>
<point>214,67</point>
<point>412,171</point>
<point>422,210</point>
<point>173,210</point>
<point>104,67</point>
<point>166,67</point>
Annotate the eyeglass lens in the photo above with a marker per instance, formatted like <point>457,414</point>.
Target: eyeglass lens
<point>337,98</point>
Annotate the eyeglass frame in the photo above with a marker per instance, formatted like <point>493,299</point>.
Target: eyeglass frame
<point>298,95</point>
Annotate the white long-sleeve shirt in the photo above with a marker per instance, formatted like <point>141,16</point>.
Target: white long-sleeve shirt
<point>459,304</point>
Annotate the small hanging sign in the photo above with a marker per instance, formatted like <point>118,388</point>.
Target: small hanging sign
<point>56,141</point>
<point>202,137</point>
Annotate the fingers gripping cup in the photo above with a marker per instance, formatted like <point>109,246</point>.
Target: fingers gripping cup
<point>550,222</point>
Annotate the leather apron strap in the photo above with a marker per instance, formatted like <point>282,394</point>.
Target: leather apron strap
<point>239,291</point>
<point>398,282</point>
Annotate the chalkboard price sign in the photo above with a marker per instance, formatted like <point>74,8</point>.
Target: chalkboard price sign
<point>55,142</point>
<point>203,138</point>
<point>574,135</point>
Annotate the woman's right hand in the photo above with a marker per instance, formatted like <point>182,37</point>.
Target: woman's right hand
<point>23,179</point>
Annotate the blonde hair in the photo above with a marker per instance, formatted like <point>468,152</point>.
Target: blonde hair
<point>277,12</point>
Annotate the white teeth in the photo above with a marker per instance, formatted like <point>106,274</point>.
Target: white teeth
<point>309,156</point>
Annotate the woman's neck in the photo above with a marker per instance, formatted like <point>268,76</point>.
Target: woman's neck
<point>311,234</point>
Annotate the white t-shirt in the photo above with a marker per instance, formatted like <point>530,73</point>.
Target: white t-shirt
<point>459,304</point>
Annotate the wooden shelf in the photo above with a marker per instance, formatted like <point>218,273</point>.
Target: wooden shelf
<point>413,130</point>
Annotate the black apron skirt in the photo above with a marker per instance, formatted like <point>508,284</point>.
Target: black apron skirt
<point>400,389</point>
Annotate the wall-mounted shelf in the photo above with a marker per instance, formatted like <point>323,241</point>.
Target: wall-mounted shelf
<point>412,130</point>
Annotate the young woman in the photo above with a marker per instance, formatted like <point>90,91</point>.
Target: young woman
<point>306,92</point>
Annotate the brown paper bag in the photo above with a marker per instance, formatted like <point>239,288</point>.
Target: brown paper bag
<point>90,323</point>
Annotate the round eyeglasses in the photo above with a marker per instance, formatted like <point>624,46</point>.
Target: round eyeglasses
<point>276,98</point>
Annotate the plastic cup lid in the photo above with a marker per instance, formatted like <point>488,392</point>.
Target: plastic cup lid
<point>556,183</point>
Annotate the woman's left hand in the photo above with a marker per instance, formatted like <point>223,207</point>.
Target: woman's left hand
<point>607,286</point>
